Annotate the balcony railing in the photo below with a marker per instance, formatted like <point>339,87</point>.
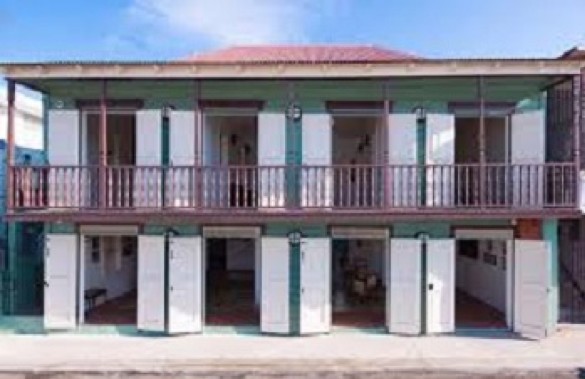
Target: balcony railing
<point>390,188</point>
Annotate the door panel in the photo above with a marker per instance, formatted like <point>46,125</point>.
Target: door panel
<point>531,288</point>
<point>405,287</point>
<point>63,150</point>
<point>274,315</point>
<point>185,285</point>
<point>315,285</point>
<point>317,151</point>
<point>151,283</point>
<point>271,152</point>
<point>147,187</point>
<point>440,286</point>
<point>402,150</point>
<point>60,281</point>
<point>440,152</point>
<point>182,153</point>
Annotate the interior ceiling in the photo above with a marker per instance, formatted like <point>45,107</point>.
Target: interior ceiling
<point>432,89</point>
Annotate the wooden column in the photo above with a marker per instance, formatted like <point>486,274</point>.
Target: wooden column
<point>388,186</point>
<point>578,127</point>
<point>11,94</point>
<point>482,155</point>
<point>103,145</point>
<point>198,147</point>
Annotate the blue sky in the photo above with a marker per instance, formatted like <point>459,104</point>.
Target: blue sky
<point>165,29</point>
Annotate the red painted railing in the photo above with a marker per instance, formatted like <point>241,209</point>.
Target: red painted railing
<point>375,187</point>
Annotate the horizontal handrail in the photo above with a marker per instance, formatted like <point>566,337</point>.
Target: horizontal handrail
<point>380,187</point>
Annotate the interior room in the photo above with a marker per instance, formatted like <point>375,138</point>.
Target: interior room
<point>358,283</point>
<point>481,283</point>
<point>231,140</point>
<point>231,295</point>
<point>355,143</point>
<point>121,144</point>
<point>110,280</point>
<point>467,151</point>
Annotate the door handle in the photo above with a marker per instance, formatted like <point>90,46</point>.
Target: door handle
<point>46,284</point>
<point>431,286</point>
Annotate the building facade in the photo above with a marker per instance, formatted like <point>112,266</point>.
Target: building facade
<point>303,189</point>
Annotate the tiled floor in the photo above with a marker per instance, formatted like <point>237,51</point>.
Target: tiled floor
<point>473,313</point>
<point>360,318</point>
<point>117,311</point>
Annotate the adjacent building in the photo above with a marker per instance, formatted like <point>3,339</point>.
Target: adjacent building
<point>302,189</point>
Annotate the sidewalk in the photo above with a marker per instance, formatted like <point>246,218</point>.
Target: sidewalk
<point>337,352</point>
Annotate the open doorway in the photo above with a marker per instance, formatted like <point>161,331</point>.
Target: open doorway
<point>467,152</point>
<point>230,140</point>
<point>358,282</point>
<point>231,285</point>
<point>481,296</point>
<point>356,149</point>
<point>121,151</point>
<point>110,280</point>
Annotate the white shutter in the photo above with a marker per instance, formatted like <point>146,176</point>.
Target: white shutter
<point>405,287</point>
<point>60,281</point>
<point>440,152</point>
<point>271,152</point>
<point>317,151</point>
<point>440,286</point>
<point>63,150</point>
<point>532,288</point>
<point>528,148</point>
<point>151,283</point>
<point>274,314</point>
<point>185,285</point>
<point>147,187</point>
<point>181,153</point>
<point>315,285</point>
<point>402,152</point>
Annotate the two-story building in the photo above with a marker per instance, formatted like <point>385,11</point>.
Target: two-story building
<point>299,189</point>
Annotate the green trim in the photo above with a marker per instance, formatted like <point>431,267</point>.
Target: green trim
<point>61,228</point>
<point>167,256</point>
<point>295,289</point>
<point>410,230</point>
<point>421,156</point>
<point>423,289</point>
<point>154,230</point>
<point>550,234</point>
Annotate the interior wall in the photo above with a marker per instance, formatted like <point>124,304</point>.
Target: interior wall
<point>230,140</point>
<point>484,276</point>
<point>240,254</point>
<point>121,139</point>
<point>108,266</point>
<point>348,134</point>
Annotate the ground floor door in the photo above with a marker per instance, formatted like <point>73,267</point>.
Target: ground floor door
<point>404,315</point>
<point>440,286</point>
<point>61,281</point>
<point>274,309</point>
<point>185,285</point>
<point>151,283</point>
<point>315,285</point>
<point>532,268</point>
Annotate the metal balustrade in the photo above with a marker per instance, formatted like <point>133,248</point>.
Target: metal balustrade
<point>384,188</point>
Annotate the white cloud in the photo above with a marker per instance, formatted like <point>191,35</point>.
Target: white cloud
<point>229,22</point>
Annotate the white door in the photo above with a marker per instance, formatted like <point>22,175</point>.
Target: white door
<point>274,310</point>
<point>528,150</point>
<point>405,287</point>
<point>402,157</point>
<point>315,285</point>
<point>532,288</point>
<point>181,155</point>
<point>147,189</point>
<point>317,155</point>
<point>185,285</point>
<point>63,150</point>
<point>60,281</point>
<point>151,283</point>
<point>440,286</point>
<point>271,159</point>
<point>440,153</point>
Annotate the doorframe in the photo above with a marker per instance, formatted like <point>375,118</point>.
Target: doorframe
<point>97,231</point>
<point>231,232</point>
<point>505,233</point>
<point>364,233</point>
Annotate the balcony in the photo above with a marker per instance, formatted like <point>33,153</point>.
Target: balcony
<point>407,190</point>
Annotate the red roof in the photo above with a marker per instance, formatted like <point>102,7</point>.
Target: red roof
<point>575,53</point>
<point>302,54</point>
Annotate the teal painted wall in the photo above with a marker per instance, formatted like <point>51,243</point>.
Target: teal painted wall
<point>410,230</point>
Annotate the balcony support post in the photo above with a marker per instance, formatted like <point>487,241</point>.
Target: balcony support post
<point>103,145</point>
<point>388,187</point>
<point>578,127</point>
<point>482,152</point>
<point>11,94</point>
<point>198,151</point>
